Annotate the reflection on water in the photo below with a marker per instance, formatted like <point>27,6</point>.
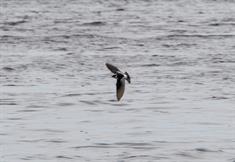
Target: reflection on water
<point>57,99</point>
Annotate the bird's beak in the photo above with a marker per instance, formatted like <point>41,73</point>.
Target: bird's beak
<point>129,81</point>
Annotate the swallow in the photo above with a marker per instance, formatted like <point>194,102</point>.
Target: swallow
<point>121,77</point>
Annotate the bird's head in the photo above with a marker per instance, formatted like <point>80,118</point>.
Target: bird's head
<point>128,78</point>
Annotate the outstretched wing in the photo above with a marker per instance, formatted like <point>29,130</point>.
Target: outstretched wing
<point>112,68</point>
<point>120,85</point>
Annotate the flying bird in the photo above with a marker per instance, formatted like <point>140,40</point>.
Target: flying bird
<point>121,77</point>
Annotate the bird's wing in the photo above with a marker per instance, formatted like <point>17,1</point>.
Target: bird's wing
<point>120,85</point>
<point>112,68</point>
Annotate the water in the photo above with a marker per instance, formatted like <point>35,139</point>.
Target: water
<point>57,98</point>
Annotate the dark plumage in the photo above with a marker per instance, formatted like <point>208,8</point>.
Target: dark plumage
<point>112,68</point>
<point>121,77</point>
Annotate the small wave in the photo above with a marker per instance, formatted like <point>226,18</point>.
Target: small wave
<point>214,24</point>
<point>36,106</point>
<point>206,150</point>
<point>95,23</point>
<point>8,103</point>
<point>135,145</point>
<point>200,35</point>
<point>8,68</point>
<point>120,104</point>
<point>185,45</point>
<point>61,49</point>
<point>108,48</point>
<point>73,94</point>
<point>120,9</point>
<point>94,146</point>
<point>14,23</point>
<point>221,24</point>
<point>65,104</point>
<point>63,157</point>
<point>14,118</point>
<point>37,156</point>
<point>94,110</point>
<point>86,94</point>
<point>28,110</point>
<point>15,68</point>
<point>118,145</point>
<point>219,97</point>
<point>150,65</point>
<point>184,154</point>
<point>179,31</point>
<point>56,141</point>
<point>30,141</point>
<point>163,56</point>
<point>88,102</point>
<point>10,85</point>
<point>137,156</point>
<point>49,130</point>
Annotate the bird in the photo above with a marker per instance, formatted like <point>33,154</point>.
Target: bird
<point>121,77</point>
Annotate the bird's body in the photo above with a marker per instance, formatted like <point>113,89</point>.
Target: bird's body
<point>121,77</point>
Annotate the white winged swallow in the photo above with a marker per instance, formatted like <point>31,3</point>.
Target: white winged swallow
<point>121,77</point>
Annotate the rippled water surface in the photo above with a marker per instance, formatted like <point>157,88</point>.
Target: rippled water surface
<point>57,98</point>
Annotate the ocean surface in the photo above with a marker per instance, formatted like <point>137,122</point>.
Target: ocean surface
<point>58,101</point>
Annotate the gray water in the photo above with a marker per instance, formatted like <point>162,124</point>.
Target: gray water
<point>57,98</point>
